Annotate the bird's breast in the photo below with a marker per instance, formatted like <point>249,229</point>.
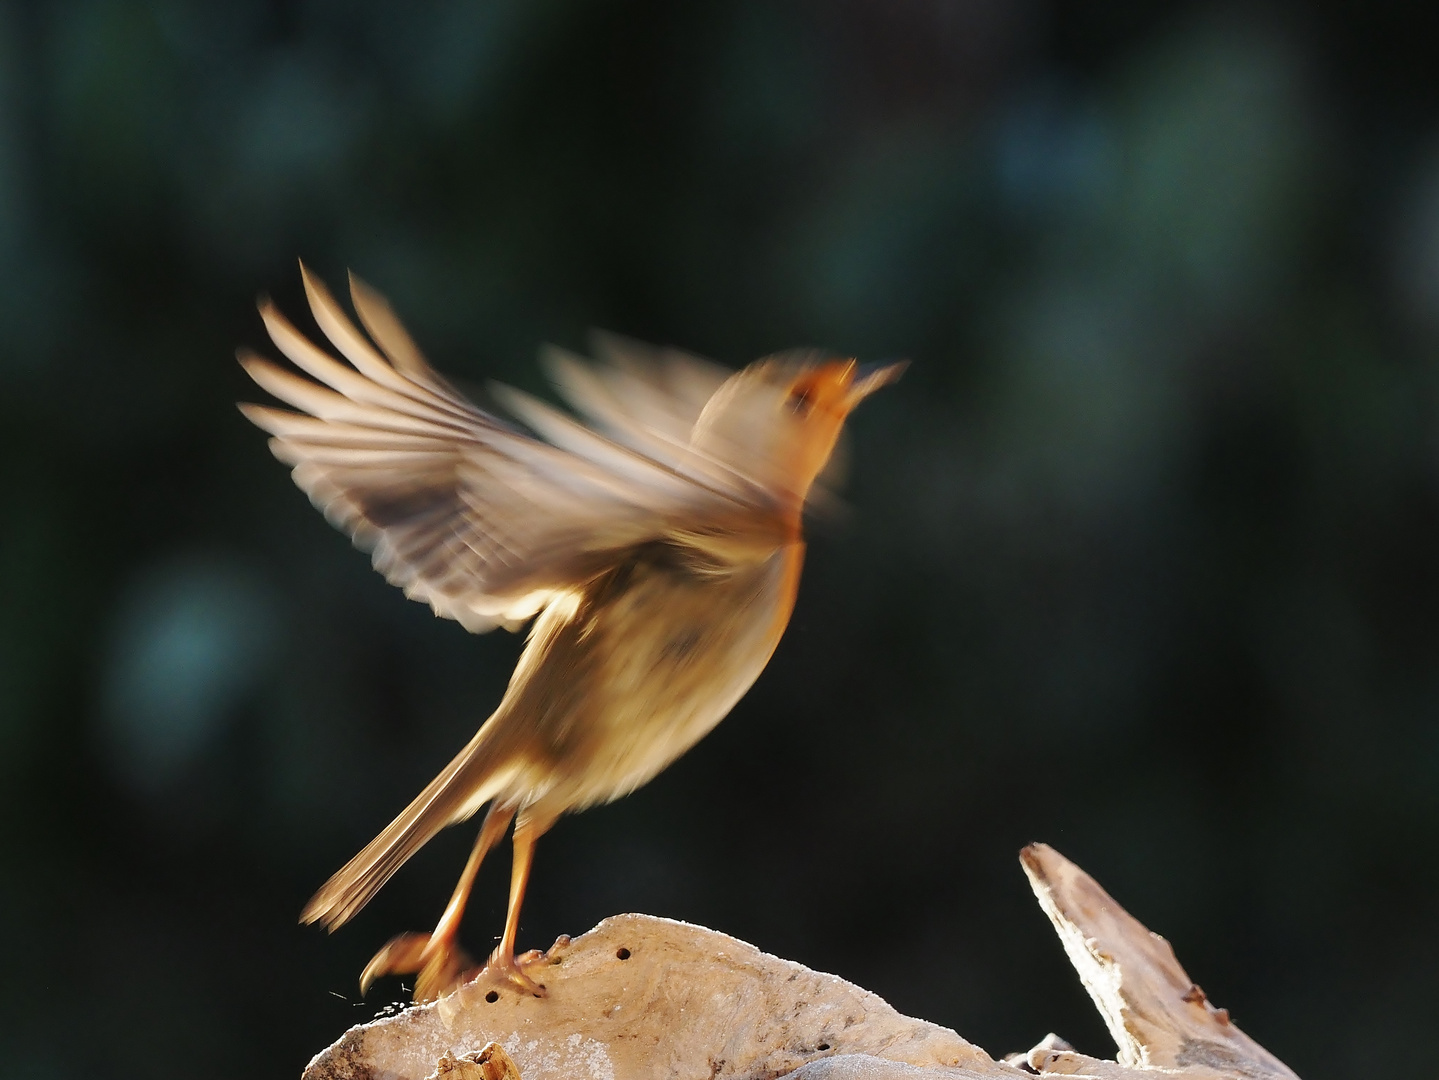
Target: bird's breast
<point>653,658</point>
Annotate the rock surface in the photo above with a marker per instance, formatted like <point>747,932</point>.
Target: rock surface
<point>640,998</point>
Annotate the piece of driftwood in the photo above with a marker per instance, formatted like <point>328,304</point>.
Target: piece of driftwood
<point>1158,1017</point>
<point>640,997</point>
<point>490,1063</point>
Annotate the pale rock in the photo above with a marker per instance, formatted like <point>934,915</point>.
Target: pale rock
<point>684,1002</point>
<point>640,998</point>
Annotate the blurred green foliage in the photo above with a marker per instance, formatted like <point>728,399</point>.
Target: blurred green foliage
<point>1143,558</point>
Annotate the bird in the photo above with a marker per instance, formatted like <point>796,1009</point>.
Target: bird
<point>651,540</point>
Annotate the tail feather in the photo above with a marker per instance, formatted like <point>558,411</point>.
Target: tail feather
<point>475,776</point>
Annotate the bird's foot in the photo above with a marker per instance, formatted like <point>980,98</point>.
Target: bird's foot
<point>506,967</point>
<point>438,963</point>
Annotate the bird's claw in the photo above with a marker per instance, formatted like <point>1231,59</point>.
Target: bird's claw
<point>438,964</point>
<point>511,969</point>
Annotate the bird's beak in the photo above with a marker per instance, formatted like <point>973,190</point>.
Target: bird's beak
<point>870,377</point>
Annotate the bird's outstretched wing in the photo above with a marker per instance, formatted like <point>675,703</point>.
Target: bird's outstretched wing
<point>645,397</point>
<point>483,522</point>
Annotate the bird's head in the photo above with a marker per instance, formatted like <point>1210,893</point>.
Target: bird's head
<point>778,420</point>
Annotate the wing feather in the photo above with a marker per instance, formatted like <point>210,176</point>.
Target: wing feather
<point>482,521</point>
<point>380,321</point>
<point>314,361</point>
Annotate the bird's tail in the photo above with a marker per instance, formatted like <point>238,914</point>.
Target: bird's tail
<point>477,774</point>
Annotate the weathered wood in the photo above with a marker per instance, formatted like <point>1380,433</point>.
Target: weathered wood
<point>1158,1016</point>
<point>640,997</point>
<point>490,1063</point>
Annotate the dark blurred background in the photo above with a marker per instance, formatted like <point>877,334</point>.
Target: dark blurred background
<point>1142,557</point>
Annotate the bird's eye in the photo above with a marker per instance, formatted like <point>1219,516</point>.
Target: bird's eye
<point>801,400</point>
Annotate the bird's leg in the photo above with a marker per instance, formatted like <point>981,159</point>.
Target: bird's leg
<point>436,957</point>
<point>503,962</point>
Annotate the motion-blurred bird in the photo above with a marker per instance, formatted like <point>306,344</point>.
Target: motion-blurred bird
<point>657,555</point>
